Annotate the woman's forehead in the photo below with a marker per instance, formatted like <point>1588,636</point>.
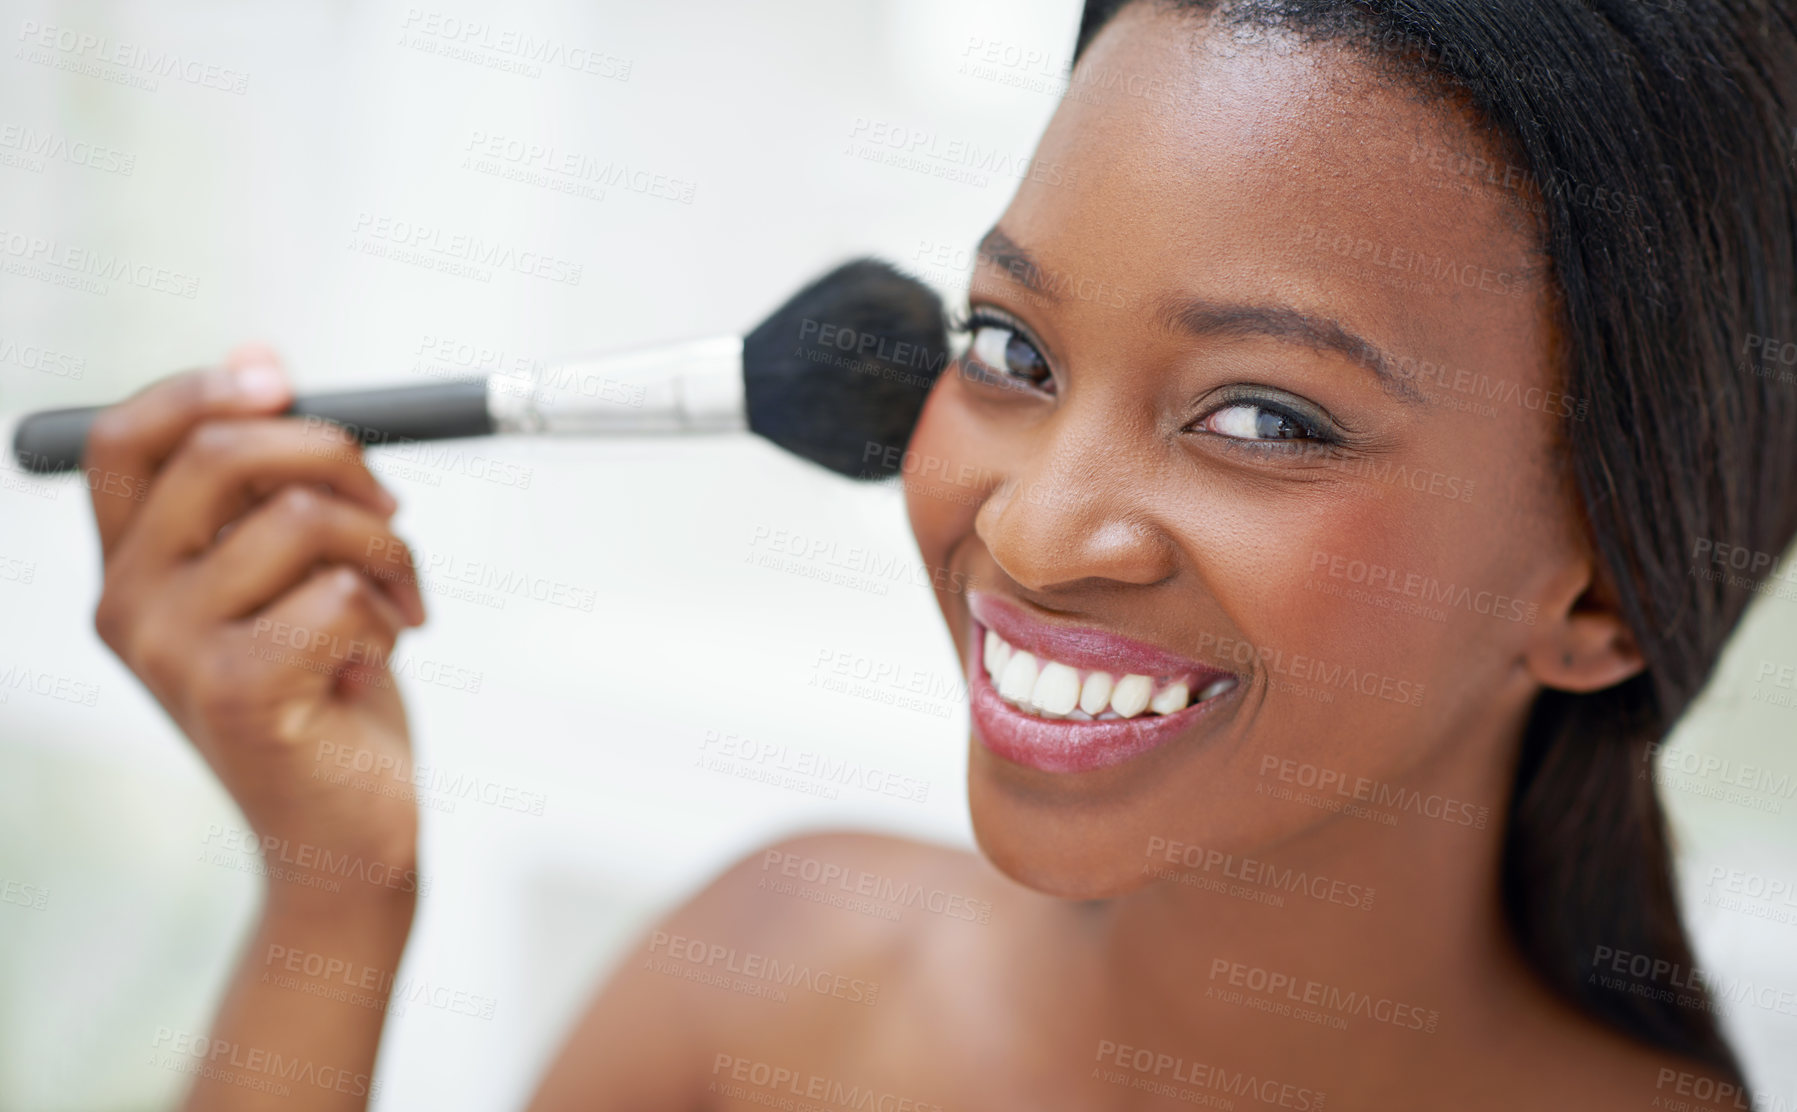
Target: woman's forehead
<point>1229,170</point>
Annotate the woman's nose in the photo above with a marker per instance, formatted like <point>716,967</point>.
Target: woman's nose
<point>1076,510</point>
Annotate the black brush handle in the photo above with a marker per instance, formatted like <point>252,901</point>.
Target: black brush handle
<point>54,439</point>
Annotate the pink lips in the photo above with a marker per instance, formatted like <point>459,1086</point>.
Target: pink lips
<point>1064,745</point>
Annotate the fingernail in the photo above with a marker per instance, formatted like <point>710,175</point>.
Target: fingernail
<point>261,384</point>
<point>388,503</point>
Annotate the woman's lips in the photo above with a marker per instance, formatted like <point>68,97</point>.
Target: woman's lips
<point>1082,646</point>
<point>1083,744</point>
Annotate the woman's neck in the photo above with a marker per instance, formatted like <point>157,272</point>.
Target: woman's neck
<point>1376,941</point>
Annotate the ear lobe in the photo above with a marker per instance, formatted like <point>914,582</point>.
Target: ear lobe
<point>1586,647</point>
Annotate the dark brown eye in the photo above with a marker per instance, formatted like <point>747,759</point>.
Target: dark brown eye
<point>1003,350</point>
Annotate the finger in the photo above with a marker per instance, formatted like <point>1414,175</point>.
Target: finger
<point>280,542</point>
<point>335,627</point>
<point>128,442</point>
<point>223,467</point>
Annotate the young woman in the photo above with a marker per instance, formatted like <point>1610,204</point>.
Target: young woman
<point>1339,436</point>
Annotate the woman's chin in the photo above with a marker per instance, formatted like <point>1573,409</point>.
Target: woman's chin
<point>1040,862</point>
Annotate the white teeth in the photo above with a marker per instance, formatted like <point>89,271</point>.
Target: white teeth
<point>998,653</point>
<point>1216,688</point>
<point>1019,678</point>
<point>1095,694</point>
<point>1057,689</point>
<point>1131,695</point>
<point>1170,698</point>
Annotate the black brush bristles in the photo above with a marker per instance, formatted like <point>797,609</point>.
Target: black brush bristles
<point>839,373</point>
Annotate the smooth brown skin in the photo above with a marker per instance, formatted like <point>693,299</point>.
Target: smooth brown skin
<point>1159,528</point>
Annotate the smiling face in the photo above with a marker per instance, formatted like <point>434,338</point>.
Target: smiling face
<point>1260,409</point>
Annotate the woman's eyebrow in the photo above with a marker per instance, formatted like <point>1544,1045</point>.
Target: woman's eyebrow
<point>1282,322</point>
<point>1202,317</point>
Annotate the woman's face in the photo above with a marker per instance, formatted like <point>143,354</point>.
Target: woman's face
<point>1259,397</point>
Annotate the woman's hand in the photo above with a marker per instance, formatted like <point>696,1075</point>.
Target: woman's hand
<point>254,585</point>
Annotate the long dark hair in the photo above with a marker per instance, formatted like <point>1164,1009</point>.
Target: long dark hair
<point>1660,136</point>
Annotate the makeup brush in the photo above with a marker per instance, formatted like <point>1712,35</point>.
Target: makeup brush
<point>836,375</point>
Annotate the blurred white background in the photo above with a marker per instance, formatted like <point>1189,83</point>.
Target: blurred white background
<point>258,181</point>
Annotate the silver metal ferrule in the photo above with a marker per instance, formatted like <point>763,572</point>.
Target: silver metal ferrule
<point>694,387</point>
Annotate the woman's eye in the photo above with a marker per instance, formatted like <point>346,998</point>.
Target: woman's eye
<point>1005,351</point>
<point>1248,421</point>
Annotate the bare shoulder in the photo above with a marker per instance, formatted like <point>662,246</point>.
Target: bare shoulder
<point>1627,1076</point>
<point>1570,1059</point>
<point>821,920</point>
<point>852,890</point>
<point>793,962</point>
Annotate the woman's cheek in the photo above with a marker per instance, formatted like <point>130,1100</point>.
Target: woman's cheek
<point>1402,591</point>
<point>945,480</point>
<point>1330,654</point>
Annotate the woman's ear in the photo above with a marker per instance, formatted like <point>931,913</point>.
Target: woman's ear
<point>1582,643</point>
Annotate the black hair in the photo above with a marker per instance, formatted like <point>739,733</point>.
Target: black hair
<point>1685,109</point>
